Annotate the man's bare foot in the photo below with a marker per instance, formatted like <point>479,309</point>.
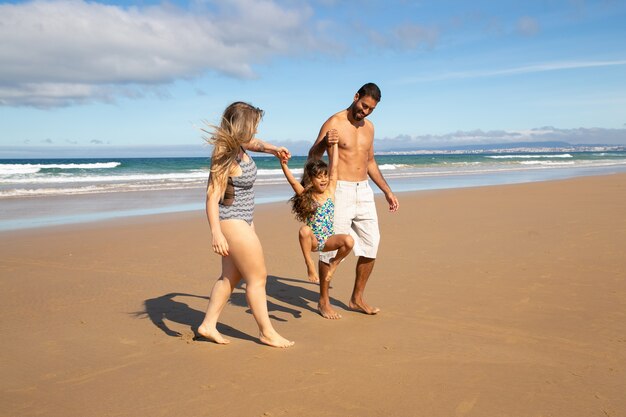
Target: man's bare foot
<point>213,335</point>
<point>275,340</point>
<point>312,273</point>
<point>362,307</point>
<point>327,312</point>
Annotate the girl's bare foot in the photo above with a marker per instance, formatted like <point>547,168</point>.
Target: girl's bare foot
<point>362,307</point>
<point>213,335</point>
<point>327,311</point>
<point>312,273</point>
<point>275,340</point>
<point>332,267</point>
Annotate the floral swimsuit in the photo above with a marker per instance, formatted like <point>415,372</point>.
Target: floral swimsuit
<point>321,223</point>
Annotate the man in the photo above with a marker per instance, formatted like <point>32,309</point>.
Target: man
<point>355,211</point>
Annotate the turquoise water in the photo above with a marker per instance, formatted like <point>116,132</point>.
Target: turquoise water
<point>41,192</point>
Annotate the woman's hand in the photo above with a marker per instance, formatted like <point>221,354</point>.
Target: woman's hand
<point>219,244</point>
<point>282,153</point>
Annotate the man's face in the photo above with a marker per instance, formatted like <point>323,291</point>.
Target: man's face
<point>362,107</point>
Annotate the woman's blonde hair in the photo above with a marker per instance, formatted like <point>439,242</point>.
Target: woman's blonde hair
<point>238,126</point>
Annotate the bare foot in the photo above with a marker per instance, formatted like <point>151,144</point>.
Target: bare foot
<point>213,335</point>
<point>362,307</point>
<point>312,273</point>
<point>332,267</point>
<point>327,312</point>
<point>275,340</point>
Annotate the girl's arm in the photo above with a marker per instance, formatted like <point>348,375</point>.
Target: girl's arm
<point>257,145</point>
<point>219,243</point>
<point>297,187</point>
<point>333,162</point>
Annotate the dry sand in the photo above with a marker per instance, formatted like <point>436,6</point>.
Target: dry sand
<point>496,301</point>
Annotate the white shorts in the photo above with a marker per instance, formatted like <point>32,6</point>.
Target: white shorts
<point>355,214</point>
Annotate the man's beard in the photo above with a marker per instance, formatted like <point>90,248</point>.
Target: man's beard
<point>356,116</point>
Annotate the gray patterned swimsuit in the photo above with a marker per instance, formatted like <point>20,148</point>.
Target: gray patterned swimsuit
<point>243,206</point>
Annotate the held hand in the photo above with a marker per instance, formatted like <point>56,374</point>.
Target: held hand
<point>219,244</point>
<point>282,153</point>
<point>394,205</point>
<point>332,137</point>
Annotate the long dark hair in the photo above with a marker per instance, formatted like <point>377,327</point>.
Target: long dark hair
<point>304,205</point>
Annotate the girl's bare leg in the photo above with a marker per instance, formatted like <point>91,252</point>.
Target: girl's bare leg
<point>247,256</point>
<point>343,245</point>
<point>219,297</point>
<point>307,244</point>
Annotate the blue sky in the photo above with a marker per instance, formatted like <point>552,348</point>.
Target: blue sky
<point>92,77</point>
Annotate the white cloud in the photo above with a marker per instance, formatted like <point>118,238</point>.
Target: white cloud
<point>528,26</point>
<point>59,52</point>
<point>405,36</point>
<point>548,66</point>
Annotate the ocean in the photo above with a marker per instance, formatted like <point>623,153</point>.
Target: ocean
<point>47,192</point>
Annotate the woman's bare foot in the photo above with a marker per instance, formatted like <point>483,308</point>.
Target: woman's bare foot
<point>362,307</point>
<point>275,340</point>
<point>213,335</point>
<point>327,311</point>
<point>312,273</point>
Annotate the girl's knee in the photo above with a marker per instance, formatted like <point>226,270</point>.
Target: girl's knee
<point>305,231</point>
<point>349,241</point>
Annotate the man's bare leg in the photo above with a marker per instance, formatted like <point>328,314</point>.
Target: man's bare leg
<point>364,267</point>
<point>324,307</point>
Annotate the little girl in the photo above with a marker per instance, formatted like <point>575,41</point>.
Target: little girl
<point>314,204</point>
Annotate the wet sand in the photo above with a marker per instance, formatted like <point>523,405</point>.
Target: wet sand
<point>496,301</point>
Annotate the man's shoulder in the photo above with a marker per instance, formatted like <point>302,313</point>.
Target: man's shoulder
<point>339,117</point>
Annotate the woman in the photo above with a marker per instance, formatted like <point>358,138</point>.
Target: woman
<point>229,207</point>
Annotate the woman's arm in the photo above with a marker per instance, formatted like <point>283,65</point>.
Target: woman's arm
<point>297,187</point>
<point>257,145</point>
<point>219,243</point>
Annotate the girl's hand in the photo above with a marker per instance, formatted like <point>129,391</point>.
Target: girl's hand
<point>282,153</point>
<point>219,244</point>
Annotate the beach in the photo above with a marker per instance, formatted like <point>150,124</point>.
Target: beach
<point>504,300</point>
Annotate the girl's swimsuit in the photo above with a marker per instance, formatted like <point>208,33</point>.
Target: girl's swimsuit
<point>242,207</point>
<point>321,223</point>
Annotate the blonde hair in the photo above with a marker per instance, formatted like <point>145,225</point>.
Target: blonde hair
<point>238,126</point>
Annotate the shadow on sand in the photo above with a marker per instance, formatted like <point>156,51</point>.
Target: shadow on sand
<point>173,307</point>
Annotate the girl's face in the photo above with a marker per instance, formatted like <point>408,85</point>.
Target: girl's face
<point>320,182</point>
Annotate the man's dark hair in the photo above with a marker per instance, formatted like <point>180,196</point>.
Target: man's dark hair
<point>370,89</point>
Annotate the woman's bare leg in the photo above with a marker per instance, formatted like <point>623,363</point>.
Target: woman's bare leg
<point>247,255</point>
<point>307,244</point>
<point>219,297</point>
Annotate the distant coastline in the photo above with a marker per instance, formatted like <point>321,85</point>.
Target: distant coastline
<point>298,148</point>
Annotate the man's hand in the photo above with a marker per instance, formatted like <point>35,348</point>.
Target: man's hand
<point>332,137</point>
<point>394,205</point>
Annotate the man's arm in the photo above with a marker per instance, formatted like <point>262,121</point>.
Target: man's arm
<point>322,143</point>
<point>374,173</point>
